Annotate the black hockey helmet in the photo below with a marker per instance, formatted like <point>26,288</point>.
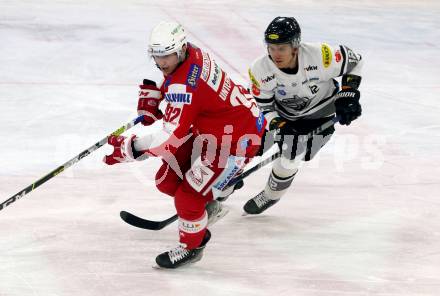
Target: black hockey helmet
<point>283,30</point>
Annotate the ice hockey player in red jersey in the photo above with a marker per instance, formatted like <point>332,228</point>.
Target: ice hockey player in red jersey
<point>211,129</point>
<point>294,85</point>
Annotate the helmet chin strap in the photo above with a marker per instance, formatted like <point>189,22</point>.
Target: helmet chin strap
<point>180,57</point>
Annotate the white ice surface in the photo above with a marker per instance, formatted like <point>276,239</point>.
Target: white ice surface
<point>361,219</point>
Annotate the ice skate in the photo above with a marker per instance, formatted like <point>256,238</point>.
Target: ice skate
<point>258,204</point>
<point>180,256</point>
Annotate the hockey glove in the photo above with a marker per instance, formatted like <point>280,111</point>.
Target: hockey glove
<point>277,123</point>
<point>123,150</point>
<point>279,128</point>
<point>148,104</point>
<point>282,127</point>
<point>347,105</point>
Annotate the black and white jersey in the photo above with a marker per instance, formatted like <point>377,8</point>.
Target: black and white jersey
<point>308,93</point>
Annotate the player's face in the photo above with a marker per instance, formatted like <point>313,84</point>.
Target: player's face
<point>167,64</point>
<point>283,55</point>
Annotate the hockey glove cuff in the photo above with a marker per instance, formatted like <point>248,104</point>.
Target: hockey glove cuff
<point>123,150</point>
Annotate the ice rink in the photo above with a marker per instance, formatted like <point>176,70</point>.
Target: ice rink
<point>361,219</point>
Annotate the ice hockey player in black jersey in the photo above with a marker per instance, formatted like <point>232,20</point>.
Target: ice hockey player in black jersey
<point>295,86</point>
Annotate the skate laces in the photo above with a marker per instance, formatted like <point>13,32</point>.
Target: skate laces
<point>178,253</point>
<point>261,199</point>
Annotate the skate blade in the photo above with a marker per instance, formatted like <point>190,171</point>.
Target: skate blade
<point>189,263</point>
<point>155,266</point>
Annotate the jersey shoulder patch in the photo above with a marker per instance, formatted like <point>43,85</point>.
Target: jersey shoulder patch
<point>195,68</point>
<point>193,75</point>
<point>211,73</point>
<point>254,80</point>
<point>322,55</point>
<point>327,55</point>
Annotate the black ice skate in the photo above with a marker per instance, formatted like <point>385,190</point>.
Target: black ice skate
<point>180,256</point>
<point>259,204</point>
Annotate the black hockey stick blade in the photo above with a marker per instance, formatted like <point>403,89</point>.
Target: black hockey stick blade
<point>145,224</point>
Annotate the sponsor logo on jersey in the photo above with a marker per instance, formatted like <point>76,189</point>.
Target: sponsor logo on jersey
<point>311,68</point>
<point>206,67</point>
<point>199,175</point>
<point>268,78</point>
<point>193,75</point>
<point>179,98</point>
<point>326,55</point>
<point>297,103</point>
<point>226,88</point>
<point>260,122</point>
<point>253,80</point>
<point>215,76</point>
<point>282,92</point>
<point>309,80</point>
<point>235,163</point>
<point>255,90</point>
<point>338,56</point>
<point>314,89</point>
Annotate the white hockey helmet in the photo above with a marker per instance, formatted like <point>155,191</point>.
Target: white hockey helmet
<point>167,38</point>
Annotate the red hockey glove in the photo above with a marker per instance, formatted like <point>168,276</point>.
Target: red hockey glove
<point>148,104</point>
<point>123,150</point>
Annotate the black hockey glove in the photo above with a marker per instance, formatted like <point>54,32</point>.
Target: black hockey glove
<point>275,134</point>
<point>280,127</point>
<point>283,130</point>
<point>277,123</point>
<point>347,105</point>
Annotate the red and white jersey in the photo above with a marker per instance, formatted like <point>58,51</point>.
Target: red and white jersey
<point>307,93</point>
<point>202,99</point>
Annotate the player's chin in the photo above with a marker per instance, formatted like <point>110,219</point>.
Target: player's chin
<point>168,70</point>
<point>165,71</point>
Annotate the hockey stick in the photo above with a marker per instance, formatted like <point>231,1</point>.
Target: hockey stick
<point>69,163</point>
<point>158,225</point>
<point>139,222</point>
